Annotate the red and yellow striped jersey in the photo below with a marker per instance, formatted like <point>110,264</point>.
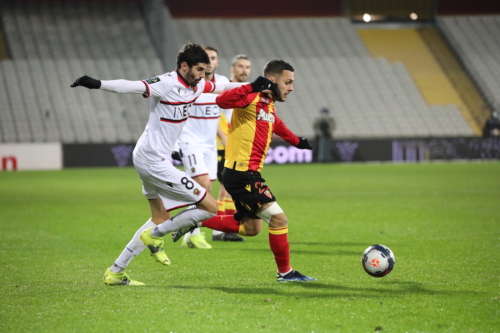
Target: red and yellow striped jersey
<point>253,123</point>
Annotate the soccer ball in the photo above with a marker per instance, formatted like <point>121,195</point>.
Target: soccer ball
<point>378,260</point>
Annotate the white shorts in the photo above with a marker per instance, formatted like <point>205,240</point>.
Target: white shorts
<point>173,186</point>
<point>199,160</point>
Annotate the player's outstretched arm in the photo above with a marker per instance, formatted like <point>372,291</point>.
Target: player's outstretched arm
<point>284,132</point>
<point>116,86</point>
<point>236,98</point>
<point>239,97</point>
<point>221,87</point>
<point>87,82</point>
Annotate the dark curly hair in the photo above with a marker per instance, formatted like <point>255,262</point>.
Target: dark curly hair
<point>192,53</point>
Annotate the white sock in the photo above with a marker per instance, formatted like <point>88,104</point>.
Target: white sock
<point>186,218</point>
<point>192,233</point>
<point>195,232</point>
<point>283,274</point>
<point>216,233</point>
<point>133,248</point>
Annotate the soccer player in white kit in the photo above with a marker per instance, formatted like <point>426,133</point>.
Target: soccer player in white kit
<point>197,142</point>
<point>166,187</point>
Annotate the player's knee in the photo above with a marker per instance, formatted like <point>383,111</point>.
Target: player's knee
<point>278,221</point>
<point>158,218</point>
<point>211,208</point>
<point>204,181</point>
<point>208,204</point>
<point>253,231</point>
<point>252,227</point>
<point>274,215</point>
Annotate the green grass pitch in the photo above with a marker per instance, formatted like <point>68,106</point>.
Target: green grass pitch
<point>61,230</point>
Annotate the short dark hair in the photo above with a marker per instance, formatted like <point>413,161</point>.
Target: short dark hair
<point>238,57</point>
<point>192,53</point>
<point>211,48</point>
<point>277,66</point>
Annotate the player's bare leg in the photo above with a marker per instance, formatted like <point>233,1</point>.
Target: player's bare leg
<point>186,220</point>
<point>250,227</point>
<point>220,200</point>
<point>115,275</point>
<point>155,243</point>
<point>278,241</point>
<point>225,205</point>
<point>153,238</point>
<point>158,212</point>
<point>195,238</point>
<point>136,246</point>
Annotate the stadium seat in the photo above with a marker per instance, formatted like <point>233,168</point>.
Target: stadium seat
<point>367,97</point>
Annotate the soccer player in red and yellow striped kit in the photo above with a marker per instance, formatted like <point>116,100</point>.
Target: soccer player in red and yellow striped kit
<point>253,123</point>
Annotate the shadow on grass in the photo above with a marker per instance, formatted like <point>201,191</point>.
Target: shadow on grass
<point>295,251</point>
<point>395,289</point>
<point>259,239</point>
<point>363,245</point>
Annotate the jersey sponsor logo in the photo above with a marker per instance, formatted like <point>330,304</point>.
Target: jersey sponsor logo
<point>265,100</point>
<point>205,111</point>
<point>180,114</point>
<point>196,191</point>
<point>248,188</point>
<point>170,184</point>
<point>152,80</point>
<point>268,194</point>
<point>265,116</point>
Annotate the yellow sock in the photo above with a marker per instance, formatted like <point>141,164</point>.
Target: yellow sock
<point>242,230</point>
<point>278,231</point>
<point>229,204</point>
<point>220,205</point>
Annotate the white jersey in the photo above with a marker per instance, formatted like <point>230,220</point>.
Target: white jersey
<point>169,110</point>
<point>201,127</point>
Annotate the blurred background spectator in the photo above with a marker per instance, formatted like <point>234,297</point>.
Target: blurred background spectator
<point>492,125</point>
<point>324,126</point>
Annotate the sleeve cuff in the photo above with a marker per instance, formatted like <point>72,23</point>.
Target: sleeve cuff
<point>148,93</point>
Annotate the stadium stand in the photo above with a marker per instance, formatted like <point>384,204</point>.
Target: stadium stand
<point>477,107</point>
<point>333,69</point>
<point>51,45</point>
<point>407,45</point>
<point>476,41</point>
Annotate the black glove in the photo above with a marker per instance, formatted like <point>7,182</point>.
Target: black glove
<point>87,82</point>
<point>304,144</point>
<point>176,156</point>
<point>261,83</point>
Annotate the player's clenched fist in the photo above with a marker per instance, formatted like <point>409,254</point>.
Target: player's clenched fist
<point>87,82</point>
<point>303,144</point>
<point>261,83</point>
